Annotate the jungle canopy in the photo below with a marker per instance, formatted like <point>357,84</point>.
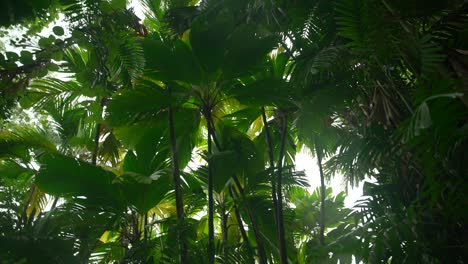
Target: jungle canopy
<point>160,131</point>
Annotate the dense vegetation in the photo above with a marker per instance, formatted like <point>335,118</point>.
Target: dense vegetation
<point>172,139</point>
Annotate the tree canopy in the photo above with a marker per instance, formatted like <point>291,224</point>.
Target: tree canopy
<point>170,136</point>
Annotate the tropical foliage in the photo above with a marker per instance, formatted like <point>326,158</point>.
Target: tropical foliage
<point>172,138</point>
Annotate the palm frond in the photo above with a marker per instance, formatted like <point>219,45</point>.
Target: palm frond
<point>18,141</point>
<point>44,92</point>
<point>38,203</point>
<point>353,21</point>
<point>129,60</point>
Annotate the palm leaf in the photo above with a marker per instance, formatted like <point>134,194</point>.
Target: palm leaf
<point>129,60</point>
<point>17,142</point>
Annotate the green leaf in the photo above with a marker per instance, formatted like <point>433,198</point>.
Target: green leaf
<point>140,188</point>
<point>42,73</point>
<point>239,157</point>
<point>24,249</point>
<point>263,92</point>
<point>10,169</point>
<point>66,176</point>
<point>119,4</point>
<point>44,42</point>
<point>26,57</point>
<point>12,56</point>
<point>17,143</point>
<point>58,30</point>
<point>144,102</point>
<point>145,192</point>
<point>224,166</point>
<point>245,50</point>
<point>187,121</point>
<point>172,61</point>
<point>57,56</point>
<point>209,41</point>
<point>52,67</point>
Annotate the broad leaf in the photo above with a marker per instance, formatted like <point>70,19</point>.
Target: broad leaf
<point>66,176</point>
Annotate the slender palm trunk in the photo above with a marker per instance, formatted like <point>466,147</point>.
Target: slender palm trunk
<point>177,189</point>
<point>145,227</point>
<point>256,229</point>
<point>96,144</point>
<point>322,193</point>
<point>97,135</point>
<point>280,220</point>
<point>261,249</point>
<point>241,227</point>
<point>210,207</point>
<point>271,162</point>
<point>224,228</point>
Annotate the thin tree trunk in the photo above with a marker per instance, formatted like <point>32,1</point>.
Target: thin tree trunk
<point>145,227</point>
<point>151,226</point>
<point>98,134</point>
<point>177,189</point>
<point>322,193</point>
<point>241,227</point>
<point>280,220</point>
<point>271,162</point>
<point>210,207</point>
<point>96,144</point>
<point>136,227</point>
<point>224,228</point>
<point>255,227</point>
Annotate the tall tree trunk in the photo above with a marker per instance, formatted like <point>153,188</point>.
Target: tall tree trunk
<point>210,207</point>
<point>177,189</point>
<point>279,189</point>
<point>318,153</point>
<point>96,144</point>
<point>271,160</point>
<point>145,227</point>
<point>255,227</point>
<point>224,228</point>
<point>241,227</point>
<point>98,134</point>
